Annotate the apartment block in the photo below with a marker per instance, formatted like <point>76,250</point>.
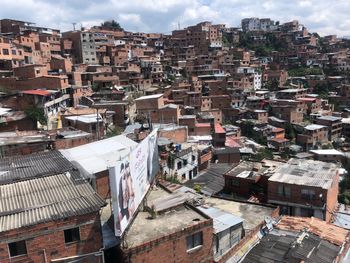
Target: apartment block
<point>305,188</point>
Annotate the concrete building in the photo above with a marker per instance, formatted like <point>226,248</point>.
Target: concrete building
<point>184,234</point>
<point>149,106</point>
<point>328,155</point>
<point>228,230</point>
<point>250,178</point>
<point>288,113</point>
<point>83,46</point>
<point>334,125</point>
<point>291,94</point>
<point>346,127</point>
<point>182,162</point>
<point>312,135</point>
<point>258,24</point>
<point>90,123</point>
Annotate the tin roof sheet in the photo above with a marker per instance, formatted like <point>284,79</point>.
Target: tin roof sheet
<point>306,172</point>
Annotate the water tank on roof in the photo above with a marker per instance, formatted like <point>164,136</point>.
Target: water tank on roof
<point>178,147</point>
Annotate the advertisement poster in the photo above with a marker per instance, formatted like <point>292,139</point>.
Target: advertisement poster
<point>153,157</point>
<point>130,180</point>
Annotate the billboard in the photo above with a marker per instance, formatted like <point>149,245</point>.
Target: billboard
<point>153,157</point>
<point>130,180</point>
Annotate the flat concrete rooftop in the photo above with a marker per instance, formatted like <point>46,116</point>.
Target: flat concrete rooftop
<point>252,214</point>
<point>145,229</point>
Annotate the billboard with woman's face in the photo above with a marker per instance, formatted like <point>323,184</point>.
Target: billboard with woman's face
<point>130,180</point>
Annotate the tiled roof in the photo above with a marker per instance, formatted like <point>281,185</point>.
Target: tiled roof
<point>332,233</point>
<point>218,128</point>
<point>45,199</point>
<point>202,125</point>
<point>37,92</point>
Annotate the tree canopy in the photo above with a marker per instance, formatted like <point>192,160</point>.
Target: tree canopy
<point>112,24</point>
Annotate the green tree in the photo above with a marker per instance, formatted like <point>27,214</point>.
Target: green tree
<point>226,41</point>
<point>300,72</point>
<point>113,132</point>
<point>289,131</point>
<point>322,89</point>
<point>112,24</point>
<point>263,153</point>
<point>36,114</point>
<point>272,85</point>
<point>344,198</point>
<point>247,129</point>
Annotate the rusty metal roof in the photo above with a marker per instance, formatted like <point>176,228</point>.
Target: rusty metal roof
<point>332,233</point>
<point>292,248</point>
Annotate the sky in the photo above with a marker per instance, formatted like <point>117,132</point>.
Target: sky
<point>163,16</point>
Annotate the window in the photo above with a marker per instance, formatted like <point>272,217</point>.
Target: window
<point>194,241</point>
<point>307,194</point>
<point>235,182</point>
<point>284,190</point>
<point>17,248</point>
<point>305,212</point>
<point>71,235</point>
<point>13,51</point>
<point>5,51</point>
<point>179,165</point>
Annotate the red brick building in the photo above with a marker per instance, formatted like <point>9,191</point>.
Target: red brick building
<point>305,188</point>
<point>183,234</point>
<point>312,135</point>
<point>54,215</point>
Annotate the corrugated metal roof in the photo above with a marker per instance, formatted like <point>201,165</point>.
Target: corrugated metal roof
<point>284,247</point>
<point>306,172</point>
<point>211,180</point>
<point>222,220</point>
<point>330,232</point>
<point>45,199</point>
<point>17,168</point>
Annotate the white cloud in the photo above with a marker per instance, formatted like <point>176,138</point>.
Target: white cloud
<point>164,15</point>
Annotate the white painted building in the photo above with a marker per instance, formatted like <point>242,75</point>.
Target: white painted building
<point>183,162</point>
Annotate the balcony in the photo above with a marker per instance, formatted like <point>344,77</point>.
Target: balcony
<point>57,100</point>
<point>183,152</point>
